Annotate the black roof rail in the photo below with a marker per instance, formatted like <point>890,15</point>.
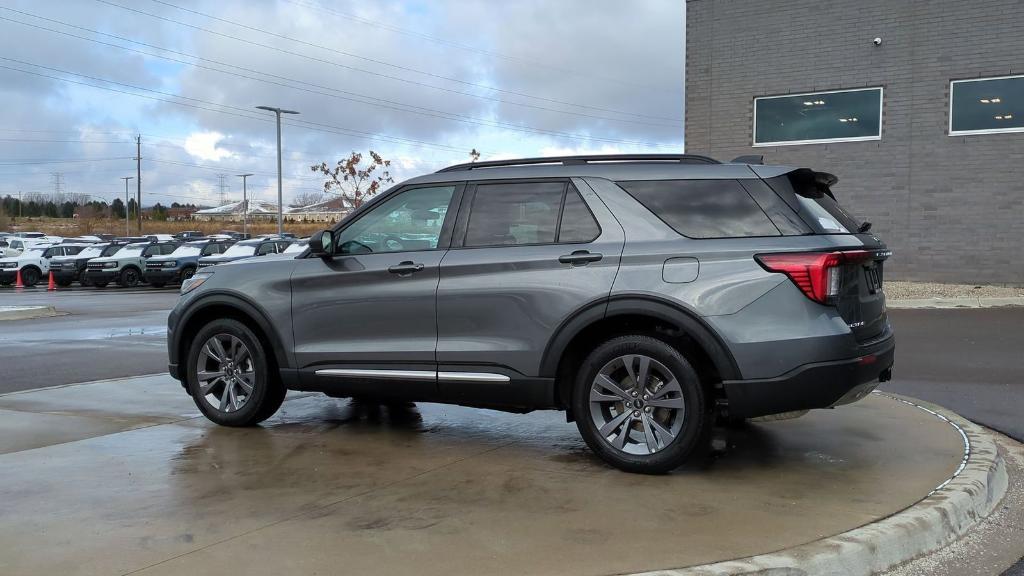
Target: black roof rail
<point>749,159</point>
<point>585,159</point>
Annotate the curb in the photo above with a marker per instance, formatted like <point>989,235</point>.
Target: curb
<point>914,303</point>
<point>26,312</point>
<point>947,513</point>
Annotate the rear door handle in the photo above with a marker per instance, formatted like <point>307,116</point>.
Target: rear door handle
<point>405,268</point>
<point>580,257</point>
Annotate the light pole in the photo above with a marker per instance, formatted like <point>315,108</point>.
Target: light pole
<point>127,232</point>
<point>280,203</point>
<point>245,202</point>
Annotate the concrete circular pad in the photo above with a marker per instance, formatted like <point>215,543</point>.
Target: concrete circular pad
<point>328,487</point>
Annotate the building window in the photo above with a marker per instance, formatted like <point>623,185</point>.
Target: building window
<point>818,117</point>
<point>986,105</point>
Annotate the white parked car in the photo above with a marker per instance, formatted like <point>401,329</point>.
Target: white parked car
<point>34,262</point>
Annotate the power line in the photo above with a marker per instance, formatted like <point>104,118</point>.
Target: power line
<point>355,96</point>
<point>371,72</point>
<point>389,64</point>
<point>320,8</point>
<point>29,162</point>
<point>320,127</point>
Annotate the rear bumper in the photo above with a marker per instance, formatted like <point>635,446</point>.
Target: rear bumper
<point>817,385</point>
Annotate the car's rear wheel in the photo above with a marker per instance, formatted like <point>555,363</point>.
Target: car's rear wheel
<point>639,404</point>
<point>29,277</point>
<point>129,278</point>
<point>228,375</point>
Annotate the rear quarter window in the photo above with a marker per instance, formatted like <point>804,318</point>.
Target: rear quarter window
<point>703,208</point>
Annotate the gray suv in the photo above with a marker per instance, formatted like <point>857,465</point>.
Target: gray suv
<point>646,296</point>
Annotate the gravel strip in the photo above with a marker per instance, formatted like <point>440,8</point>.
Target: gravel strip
<point>918,290</point>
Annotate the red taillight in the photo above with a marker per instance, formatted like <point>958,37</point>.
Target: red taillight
<point>817,274</point>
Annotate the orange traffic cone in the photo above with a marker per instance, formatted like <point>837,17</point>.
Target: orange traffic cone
<point>52,285</point>
<point>17,280</point>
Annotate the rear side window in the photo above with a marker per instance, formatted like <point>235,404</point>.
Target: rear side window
<point>814,201</point>
<point>703,208</point>
<point>514,214</point>
<point>578,223</point>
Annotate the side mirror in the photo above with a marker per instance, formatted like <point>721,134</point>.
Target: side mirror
<point>321,243</point>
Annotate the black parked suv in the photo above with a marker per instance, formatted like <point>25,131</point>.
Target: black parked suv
<point>644,295</point>
<point>68,269</point>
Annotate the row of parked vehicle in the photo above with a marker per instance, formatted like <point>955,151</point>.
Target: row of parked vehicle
<point>156,260</point>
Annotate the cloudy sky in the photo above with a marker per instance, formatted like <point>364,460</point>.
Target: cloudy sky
<point>421,82</point>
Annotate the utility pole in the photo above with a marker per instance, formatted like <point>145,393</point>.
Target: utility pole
<point>138,180</point>
<point>127,232</point>
<point>280,203</point>
<point>222,186</point>
<point>19,204</point>
<point>245,202</point>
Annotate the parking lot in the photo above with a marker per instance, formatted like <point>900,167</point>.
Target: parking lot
<point>180,494</point>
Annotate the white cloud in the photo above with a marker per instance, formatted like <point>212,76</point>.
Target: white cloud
<point>203,145</point>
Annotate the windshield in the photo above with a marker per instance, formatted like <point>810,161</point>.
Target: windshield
<point>129,251</point>
<point>187,250</point>
<point>297,247</point>
<point>241,250</point>
<point>91,252</point>
<point>34,252</point>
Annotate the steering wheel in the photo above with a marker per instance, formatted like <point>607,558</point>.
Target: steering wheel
<point>393,243</point>
<point>346,247</point>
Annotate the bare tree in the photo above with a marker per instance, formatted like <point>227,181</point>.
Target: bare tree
<point>352,180</point>
<point>307,199</point>
<point>474,155</point>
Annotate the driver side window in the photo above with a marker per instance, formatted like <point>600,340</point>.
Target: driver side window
<point>407,222</point>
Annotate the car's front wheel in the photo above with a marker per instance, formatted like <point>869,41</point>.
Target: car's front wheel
<point>228,375</point>
<point>29,277</point>
<point>639,404</point>
<point>129,278</point>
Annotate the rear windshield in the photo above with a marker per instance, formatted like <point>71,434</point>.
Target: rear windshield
<point>813,200</point>
<point>703,208</point>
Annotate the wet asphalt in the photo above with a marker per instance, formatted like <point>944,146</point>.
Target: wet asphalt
<point>967,360</point>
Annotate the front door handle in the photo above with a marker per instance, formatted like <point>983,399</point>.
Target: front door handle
<point>405,268</point>
<point>580,258</point>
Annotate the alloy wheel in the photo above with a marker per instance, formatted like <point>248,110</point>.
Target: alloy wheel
<point>225,372</point>
<point>637,405</point>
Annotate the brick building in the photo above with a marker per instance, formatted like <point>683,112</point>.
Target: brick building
<point>916,105</point>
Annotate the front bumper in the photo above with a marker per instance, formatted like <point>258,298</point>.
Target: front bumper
<point>8,274</point>
<point>69,275</point>
<point>160,276</point>
<point>101,276</point>
<point>817,385</point>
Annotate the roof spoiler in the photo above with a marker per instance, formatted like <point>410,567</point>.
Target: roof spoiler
<point>811,184</point>
<point>749,159</point>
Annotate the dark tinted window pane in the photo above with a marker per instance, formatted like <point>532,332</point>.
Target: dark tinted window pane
<point>510,214</point>
<point>703,208</point>
<point>151,251</point>
<point>267,248</point>
<point>852,114</point>
<point>578,224</point>
<point>72,249</point>
<point>814,203</point>
<point>784,218</point>
<point>996,104</point>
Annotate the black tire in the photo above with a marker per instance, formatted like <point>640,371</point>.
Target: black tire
<point>63,283</point>
<point>694,418</point>
<point>83,282</point>
<point>188,273</point>
<point>101,283</point>
<point>29,277</point>
<point>5,282</point>
<point>129,278</point>
<point>158,284</point>
<point>268,391</point>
